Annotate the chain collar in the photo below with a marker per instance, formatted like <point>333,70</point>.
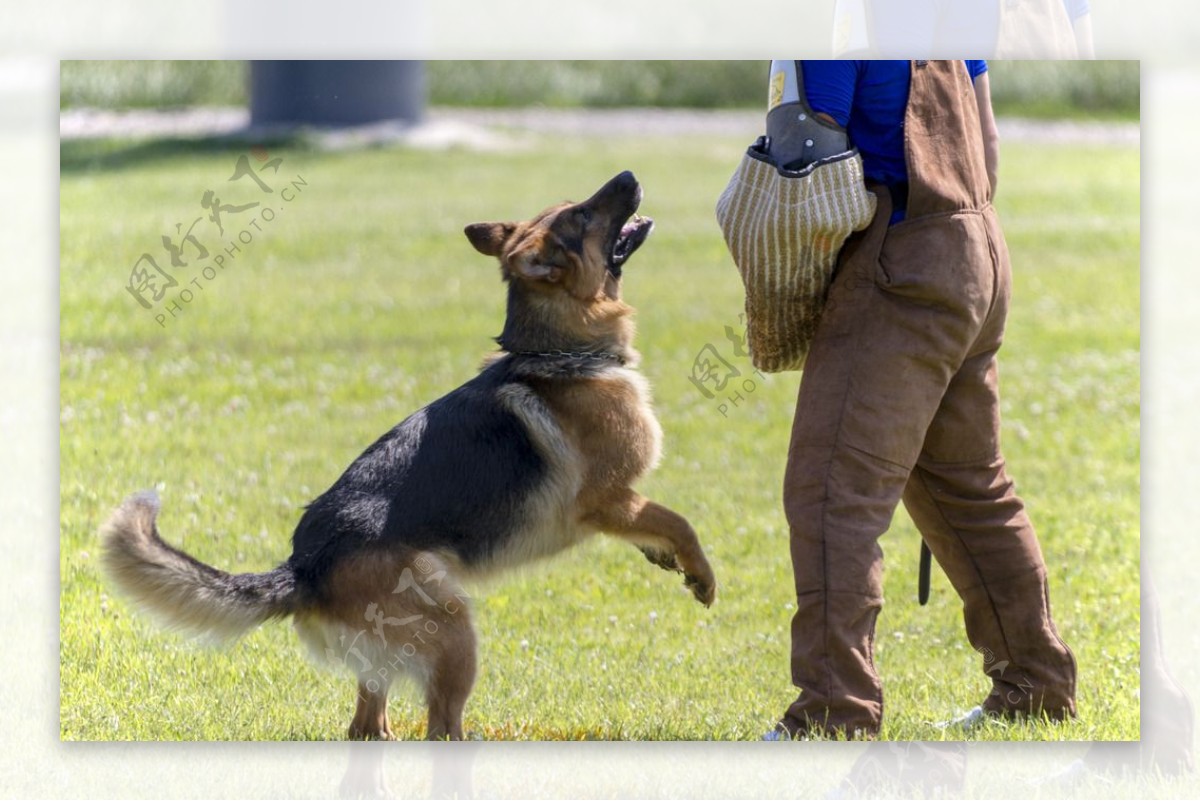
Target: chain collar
<point>568,354</point>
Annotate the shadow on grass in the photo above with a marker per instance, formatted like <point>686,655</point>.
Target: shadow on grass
<point>96,155</point>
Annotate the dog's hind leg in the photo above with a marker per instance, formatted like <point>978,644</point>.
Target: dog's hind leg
<point>401,613</point>
<point>667,539</point>
<point>451,675</point>
<point>370,716</point>
<point>344,642</point>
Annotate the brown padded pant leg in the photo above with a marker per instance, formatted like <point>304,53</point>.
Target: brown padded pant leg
<point>977,529</point>
<point>963,501</point>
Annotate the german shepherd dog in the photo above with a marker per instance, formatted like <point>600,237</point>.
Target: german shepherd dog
<point>530,457</point>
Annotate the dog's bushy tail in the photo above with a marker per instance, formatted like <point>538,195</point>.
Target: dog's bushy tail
<point>180,591</point>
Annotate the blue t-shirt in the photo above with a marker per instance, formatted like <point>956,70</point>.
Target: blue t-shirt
<point>868,99</point>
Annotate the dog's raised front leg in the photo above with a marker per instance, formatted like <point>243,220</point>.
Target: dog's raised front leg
<point>667,539</point>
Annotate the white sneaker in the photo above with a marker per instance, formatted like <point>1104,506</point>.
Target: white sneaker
<point>968,720</point>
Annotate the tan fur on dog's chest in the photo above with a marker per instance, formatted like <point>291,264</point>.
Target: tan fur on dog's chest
<point>610,424</point>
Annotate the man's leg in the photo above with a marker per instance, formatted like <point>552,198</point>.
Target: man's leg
<point>969,514</point>
<point>976,527</point>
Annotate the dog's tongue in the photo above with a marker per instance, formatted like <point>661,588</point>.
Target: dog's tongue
<point>635,222</point>
<point>633,233</point>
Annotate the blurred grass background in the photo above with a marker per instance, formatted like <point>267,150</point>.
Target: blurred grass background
<point>362,301</point>
<point>1080,90</point>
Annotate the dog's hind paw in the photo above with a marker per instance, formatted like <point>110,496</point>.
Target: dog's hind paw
<point>383,732</point>
<point>664,559</point>
<point>705,590</point>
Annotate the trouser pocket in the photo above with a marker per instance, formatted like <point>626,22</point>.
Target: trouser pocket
<point>941,260</point>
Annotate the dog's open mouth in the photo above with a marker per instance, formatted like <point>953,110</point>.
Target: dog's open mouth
<point>633,233</point>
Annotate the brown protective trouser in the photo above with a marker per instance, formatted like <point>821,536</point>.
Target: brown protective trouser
<point>899,400</point>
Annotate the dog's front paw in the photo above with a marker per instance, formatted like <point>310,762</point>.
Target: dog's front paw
<point>705,589</point>
<point>664,559</point>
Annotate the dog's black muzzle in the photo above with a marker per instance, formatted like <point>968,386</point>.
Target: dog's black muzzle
<point>618,200</point>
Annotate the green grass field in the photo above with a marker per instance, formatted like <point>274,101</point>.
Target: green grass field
<point>361,301</point>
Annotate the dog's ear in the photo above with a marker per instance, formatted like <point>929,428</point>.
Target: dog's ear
<point>489,238</point>
<point>530,267</point>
